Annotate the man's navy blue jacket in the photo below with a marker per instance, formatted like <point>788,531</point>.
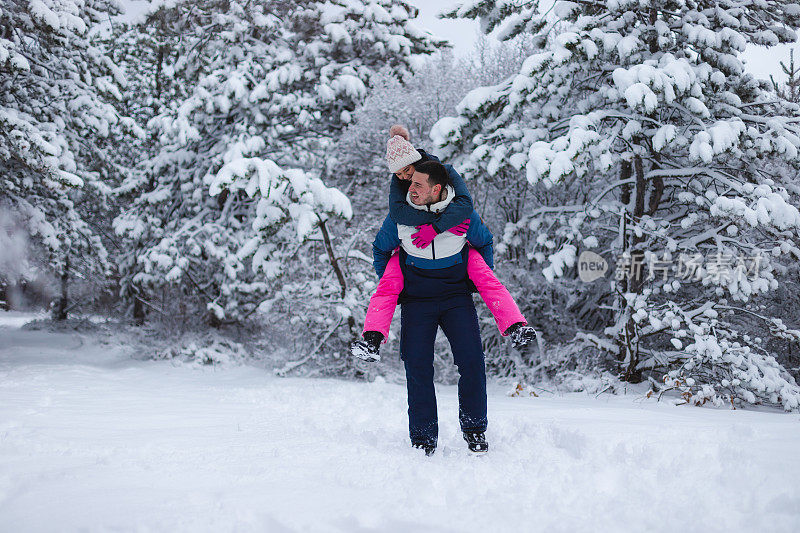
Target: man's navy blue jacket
<point>432,278</point>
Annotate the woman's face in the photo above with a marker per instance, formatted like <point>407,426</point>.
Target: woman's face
<point>405,173</point>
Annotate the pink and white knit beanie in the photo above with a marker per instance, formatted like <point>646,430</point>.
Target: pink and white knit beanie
<point>399,152</point>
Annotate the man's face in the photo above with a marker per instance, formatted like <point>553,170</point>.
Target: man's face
<point>421,191</point>
<point>405,173</point>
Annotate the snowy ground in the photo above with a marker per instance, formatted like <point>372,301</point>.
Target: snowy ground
<point>94,440</point>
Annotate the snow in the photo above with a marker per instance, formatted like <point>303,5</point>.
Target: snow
<point>14,320</point>
<point>640,94</point>
<point>700,148</point>
<point>770,209</point>
<point>475,99</point>
<point>93,439</point>
<point>665,135</point>
<point>338,33</point>
<point>349,85</point>
<point>42,13</point>
<point>628,45</point>
<point>725,134</point>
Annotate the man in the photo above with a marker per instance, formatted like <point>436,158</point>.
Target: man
<point>436,292</point>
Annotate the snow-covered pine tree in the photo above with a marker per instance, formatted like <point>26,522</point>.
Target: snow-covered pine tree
<point>275,83</point>
<point>162,55</point>
<point>58,128</point>
<point>642,112</point>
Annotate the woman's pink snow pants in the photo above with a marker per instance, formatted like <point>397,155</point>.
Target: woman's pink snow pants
<point>383,302</point>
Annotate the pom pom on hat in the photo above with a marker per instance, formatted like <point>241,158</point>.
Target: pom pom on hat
<point>399,129</point>
<point>400,153</point>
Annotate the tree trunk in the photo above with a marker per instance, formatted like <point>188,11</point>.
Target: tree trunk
<point>627,342</point>
<point>5,303</point>
<point>653,38</point>
<point>637,254</point>
<point>326,238</point>
<point>159,63</point>
<point>138,310</point>
<point>60,310</point>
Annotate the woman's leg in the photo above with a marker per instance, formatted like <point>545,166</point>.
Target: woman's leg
<point>384,301</point>
<point>501,304</point>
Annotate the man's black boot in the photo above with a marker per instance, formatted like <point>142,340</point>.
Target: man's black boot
<point>476,441</point>
<point>367,348</point>
<point>429,447</point>
<point>521,334</point>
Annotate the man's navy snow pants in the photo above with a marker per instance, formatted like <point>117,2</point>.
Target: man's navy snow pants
<point>420,321</point>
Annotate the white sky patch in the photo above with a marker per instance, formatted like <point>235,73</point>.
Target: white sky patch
<point>461,33</point>
<point>763,61</point>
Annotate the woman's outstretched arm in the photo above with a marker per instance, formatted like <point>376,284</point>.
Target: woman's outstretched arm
<point>459,209</point>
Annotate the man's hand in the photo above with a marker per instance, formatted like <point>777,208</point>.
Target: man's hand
<point>461,229</point>
<point>424,236</point>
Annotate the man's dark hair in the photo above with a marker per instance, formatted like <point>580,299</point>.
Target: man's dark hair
<point>437,174</point>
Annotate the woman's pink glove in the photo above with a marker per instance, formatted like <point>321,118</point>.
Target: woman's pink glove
<point>424,236</point>
<point>461,229</point>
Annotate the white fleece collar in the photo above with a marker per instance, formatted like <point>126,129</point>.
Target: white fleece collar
<point>438,207</point>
